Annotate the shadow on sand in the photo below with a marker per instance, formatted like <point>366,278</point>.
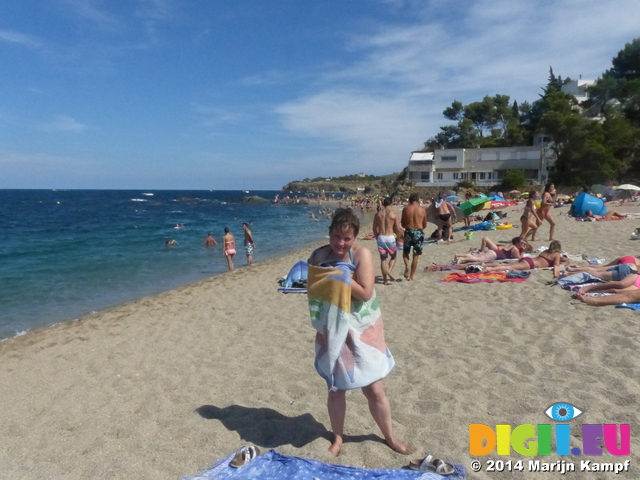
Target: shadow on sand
<point>268,428</point>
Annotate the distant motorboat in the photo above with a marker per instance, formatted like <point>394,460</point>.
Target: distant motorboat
<point>246,191</point>
<point>148,194</point>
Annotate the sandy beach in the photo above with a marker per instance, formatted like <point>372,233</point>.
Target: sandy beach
<point>165,386</point>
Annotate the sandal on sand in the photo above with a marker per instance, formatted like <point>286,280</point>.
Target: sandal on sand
<point>244,456</point>
<point>431,464</point>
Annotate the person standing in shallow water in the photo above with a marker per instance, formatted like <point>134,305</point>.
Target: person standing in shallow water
<point>248,243</point>
<point>363,321</point>
<point>228,247</point>
<point>210,241</point>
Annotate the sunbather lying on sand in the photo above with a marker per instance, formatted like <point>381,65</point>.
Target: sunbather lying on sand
<point>548,258</point>
<point>588,215</point>
<point>490,251</point>
<point>605,272</point>
<point>626,290</point>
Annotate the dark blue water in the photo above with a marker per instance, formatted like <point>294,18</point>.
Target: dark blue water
<point>67,253</point>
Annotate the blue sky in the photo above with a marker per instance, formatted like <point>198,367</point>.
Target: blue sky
<point>214,94</point>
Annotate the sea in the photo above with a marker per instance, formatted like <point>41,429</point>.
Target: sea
<point>68,253</point>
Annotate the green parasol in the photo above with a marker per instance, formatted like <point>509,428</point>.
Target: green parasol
<point>473,205</point>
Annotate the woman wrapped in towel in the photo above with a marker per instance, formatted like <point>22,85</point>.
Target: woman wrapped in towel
<point>350,349</point>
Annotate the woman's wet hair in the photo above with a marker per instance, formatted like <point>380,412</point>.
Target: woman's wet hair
<point>516,240</point>
<point>532,194</point>
<point>226,229</point>
<point>555,247</point>
<point>547,187</point>
<point>343,218</point>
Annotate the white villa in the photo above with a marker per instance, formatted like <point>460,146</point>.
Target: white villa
<point>578,88</point>
<point>483,166</point>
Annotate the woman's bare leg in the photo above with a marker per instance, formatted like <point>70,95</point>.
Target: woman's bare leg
<point>381,412</point>
<point>478,257</point>
<point>337,406</point>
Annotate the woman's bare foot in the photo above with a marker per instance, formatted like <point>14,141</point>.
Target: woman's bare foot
<point>406,272</point>
<point>398,446</point>
<point>391,277</point>
<point>335,447</point>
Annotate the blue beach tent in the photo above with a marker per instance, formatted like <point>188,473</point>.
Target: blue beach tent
<point>584,202</point>
<point>300,271</point>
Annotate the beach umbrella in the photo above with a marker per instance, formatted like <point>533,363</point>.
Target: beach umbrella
<point>493,204</point>
<point>452,198</point>
<point>628,186</point>
<point>473,205</point>
<point>598,188</point>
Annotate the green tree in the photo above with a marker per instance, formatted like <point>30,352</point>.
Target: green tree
<point>513,180</point>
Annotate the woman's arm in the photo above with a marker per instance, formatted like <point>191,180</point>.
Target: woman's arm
<point>362,285</point>
<point>547,201</point>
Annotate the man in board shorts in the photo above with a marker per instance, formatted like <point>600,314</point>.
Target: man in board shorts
<point>414,221</point>
<point>248,243</point>
<point>385,225</point>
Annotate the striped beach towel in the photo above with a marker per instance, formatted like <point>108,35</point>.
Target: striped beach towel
<point>350,348</point>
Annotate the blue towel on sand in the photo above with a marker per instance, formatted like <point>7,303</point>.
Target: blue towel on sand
<point>273,466</point>
<point>632,306</point>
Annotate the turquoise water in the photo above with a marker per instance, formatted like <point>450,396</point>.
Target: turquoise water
<point>67,253</point>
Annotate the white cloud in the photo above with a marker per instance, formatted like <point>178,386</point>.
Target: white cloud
<point>19,38</point>
<point>390,100</point>
<point>64,123</point>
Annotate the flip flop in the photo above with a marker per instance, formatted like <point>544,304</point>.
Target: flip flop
<point>432,464</point>
<point>244,456</point>
<point>428,463</point>
<point>444,468</point>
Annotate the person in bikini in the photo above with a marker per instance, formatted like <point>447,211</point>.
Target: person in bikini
<point>229,249</point>
<point>529,226</point>
<point>550,258</point>
<point>443,211</point>
<point>489,251</point>
<point>386,225</point>
<point>414,221</point>
<point>616,270</point>
<point>544,212</point>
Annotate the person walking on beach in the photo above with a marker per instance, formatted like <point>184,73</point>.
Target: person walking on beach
<point>349,329</point>
<point>414,221</point>
<point>544,212</point>
<point>248,243</point>
<point>529,226</point>
<point>229,247</point>
<point>386,225</point>
<point>210,241</point>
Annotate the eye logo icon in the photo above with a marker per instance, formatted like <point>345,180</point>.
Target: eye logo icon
<point>562,412</point>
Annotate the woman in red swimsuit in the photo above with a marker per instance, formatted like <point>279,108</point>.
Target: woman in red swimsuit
<point>490,251</point>
<point>548,258</point>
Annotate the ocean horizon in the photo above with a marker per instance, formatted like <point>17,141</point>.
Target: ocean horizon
<point>68,253</point>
